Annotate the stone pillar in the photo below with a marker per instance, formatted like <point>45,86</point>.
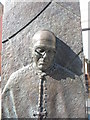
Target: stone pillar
<point>63,19</point>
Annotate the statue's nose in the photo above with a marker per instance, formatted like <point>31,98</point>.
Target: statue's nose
<point>44,55</point>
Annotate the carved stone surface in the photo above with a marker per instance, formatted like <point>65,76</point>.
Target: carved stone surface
<point>65,80</point>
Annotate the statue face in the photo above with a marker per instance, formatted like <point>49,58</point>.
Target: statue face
<point>44,45</point>
<point>43,57</point>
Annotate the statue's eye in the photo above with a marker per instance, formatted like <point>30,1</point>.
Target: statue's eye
<point>40,50</point>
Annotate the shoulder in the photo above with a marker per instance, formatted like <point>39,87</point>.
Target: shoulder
<point>16,76</point>
<point>67,77</point>
<point>63,72</point>
<point>20,73</point>
<point>61,68</point>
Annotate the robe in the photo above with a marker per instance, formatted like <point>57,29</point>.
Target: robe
<point>65,94</point>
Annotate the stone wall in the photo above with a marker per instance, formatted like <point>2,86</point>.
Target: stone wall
<point>59,17</point>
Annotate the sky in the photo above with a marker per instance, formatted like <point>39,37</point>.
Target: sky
<point>2,1</point>
<point>84,23</point>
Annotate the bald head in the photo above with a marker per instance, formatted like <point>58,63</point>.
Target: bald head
<point>44,38</point>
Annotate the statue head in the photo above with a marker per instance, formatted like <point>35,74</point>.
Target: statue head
<point>44,47</point>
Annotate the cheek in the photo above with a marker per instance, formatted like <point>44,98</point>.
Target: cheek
<point>36,58</point>
<point>50,57</point>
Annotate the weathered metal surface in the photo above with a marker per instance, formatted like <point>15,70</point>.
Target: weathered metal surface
<point>65,89</point>
<point>56,18</point>
<point>65,95</point>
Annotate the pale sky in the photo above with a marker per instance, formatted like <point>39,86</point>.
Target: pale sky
<point>84,24</point>
<point>2,1</point>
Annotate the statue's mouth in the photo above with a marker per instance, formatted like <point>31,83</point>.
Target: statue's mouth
<point>42,63</point>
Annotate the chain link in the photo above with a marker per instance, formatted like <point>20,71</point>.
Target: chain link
<point>42,98</point>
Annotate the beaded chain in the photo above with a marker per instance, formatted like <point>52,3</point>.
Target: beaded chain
<point>42,98</point>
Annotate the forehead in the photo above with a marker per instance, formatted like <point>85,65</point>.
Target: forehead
<point>40,46</point>
<point>44,45</point>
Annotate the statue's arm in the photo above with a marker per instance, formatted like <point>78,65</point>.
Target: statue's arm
<point>8,100</point>
<point>8,103</point>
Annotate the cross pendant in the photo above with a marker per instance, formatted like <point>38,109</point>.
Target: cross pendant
<point>40,115</point>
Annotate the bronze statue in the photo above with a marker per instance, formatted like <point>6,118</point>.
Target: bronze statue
<point>43,57</point>
<point>44,89</point>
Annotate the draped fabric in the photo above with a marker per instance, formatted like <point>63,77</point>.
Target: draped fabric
<point>65,98</point>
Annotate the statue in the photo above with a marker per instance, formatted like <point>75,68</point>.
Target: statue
<point>44,89</point>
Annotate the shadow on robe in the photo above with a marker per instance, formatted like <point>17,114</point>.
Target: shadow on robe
<point>67,58</point>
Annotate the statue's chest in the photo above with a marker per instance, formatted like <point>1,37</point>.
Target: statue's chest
<point>58,100</point>
<point>29,97</point>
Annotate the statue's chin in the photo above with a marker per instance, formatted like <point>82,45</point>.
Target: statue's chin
<point>42,67</point>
